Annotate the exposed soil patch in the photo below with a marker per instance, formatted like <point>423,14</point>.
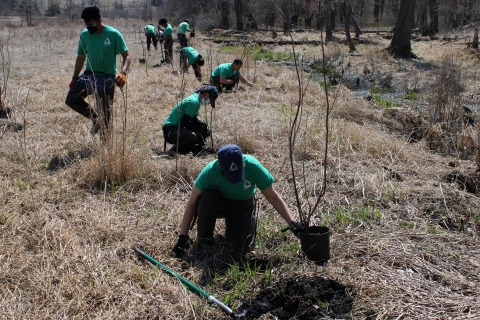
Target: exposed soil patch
<point>466,181</point>
<point>302,298</point>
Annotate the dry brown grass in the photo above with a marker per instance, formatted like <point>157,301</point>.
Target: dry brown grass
<point>65,243</point>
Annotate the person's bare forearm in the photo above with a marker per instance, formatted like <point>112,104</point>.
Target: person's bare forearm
<point>79,62</point>
<point>126,62</point>
<point>189,211</point>
<point>277,202</point>
<point>245,81</point>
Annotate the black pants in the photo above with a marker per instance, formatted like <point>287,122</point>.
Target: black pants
<point>103,87</point>
<point>183,61</point>
<point>196,69</point>
<point>151,37</point>
<point>182,38</point>
<point>215,81</point>
<point>186,140</point>
<point>239,218</point>
<point>183,65</point>
<point>169,51</point>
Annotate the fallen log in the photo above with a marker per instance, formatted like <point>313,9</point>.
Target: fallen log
<point>263,42</point>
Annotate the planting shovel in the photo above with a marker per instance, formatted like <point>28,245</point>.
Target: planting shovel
<point>190,285</point>
<point>142,60</point>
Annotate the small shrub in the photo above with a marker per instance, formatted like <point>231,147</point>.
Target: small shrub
<point>411,96</point>
<point>385,103</point>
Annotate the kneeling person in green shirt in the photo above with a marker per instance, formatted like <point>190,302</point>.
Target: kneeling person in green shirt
<point>225,189</point>
<point>183,122</point>
<point>190,57</point>
<point>227,75</point>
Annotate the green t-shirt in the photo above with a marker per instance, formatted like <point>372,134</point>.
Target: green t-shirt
<point>149,29</point>
<point>255,175</point>
<point>192,55</point>
<point>101,49</point>
<point>225,70</point>
<point>168,31</point>
<point>183,27</point>
<point>190,106</point>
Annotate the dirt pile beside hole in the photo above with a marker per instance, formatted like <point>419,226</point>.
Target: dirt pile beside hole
<point>302,298</point>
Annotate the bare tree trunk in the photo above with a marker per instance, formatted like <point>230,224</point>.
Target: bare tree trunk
<point>346,18</point>
<point>400,44</point>
<point>376,10</point>
<point>247,8</point>
<point>270,10</point>
<point>225,6</point>
<point>286,16</point>
<point>423,18</point>
<point>453,13</point>
<point>239,14</point>
<point>320,16</point>
<point>358,32</point>
<point>433,8</point>
<point>382,4</point>
<point>328,21</point>
<point>475,39</point>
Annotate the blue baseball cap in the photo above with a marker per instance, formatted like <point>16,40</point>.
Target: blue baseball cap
<point>212,94</point>
<point>230,158</point>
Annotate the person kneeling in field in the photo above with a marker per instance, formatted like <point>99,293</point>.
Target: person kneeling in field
<point>190,57</point>
<point>183,122</point>
<point>225,189</point>
<point>227,75</point>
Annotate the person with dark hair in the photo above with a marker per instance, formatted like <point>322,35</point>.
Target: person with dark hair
<point>98,46</point>
<point>182,33</point>
<point>151,36</point>
<point>225,189</point>
<point>183,124</point>
<point>167,39</point>
<point>190,57</point>
<point>227,75</point>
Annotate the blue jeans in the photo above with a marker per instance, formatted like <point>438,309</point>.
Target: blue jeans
<point>103,86</point>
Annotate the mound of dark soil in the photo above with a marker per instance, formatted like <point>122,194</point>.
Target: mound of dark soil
<point>302,298</point>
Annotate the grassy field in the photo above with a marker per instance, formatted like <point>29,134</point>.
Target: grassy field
<point>404,241</point>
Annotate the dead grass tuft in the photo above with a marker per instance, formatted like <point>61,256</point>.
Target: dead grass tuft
<point>404,221</point>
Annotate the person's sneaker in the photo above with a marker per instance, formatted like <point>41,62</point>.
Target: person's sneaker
<point>95,127</point>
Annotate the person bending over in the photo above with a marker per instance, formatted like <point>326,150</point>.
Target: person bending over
<point>227,75</point>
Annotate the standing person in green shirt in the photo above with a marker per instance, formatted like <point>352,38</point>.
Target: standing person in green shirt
<point>225,189</point>
<point>181,33</point>
<point>227,76</point>
<point>183,122</point>
<point>151,37</point>
<point>167,39</point>
<point>98,47</point>
<point>190,57</point>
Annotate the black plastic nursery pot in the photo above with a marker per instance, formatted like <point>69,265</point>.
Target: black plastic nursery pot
<point>316,244</point>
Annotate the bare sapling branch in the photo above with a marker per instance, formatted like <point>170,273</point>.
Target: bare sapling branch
<point>306,210</point>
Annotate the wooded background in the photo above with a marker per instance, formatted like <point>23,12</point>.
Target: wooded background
<point>430,15</point>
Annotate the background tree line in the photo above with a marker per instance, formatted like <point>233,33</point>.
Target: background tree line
<point>429,15</point>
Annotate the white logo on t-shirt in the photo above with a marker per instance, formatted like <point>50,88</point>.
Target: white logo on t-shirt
<point>247,184</point>
<point>106,42</point>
